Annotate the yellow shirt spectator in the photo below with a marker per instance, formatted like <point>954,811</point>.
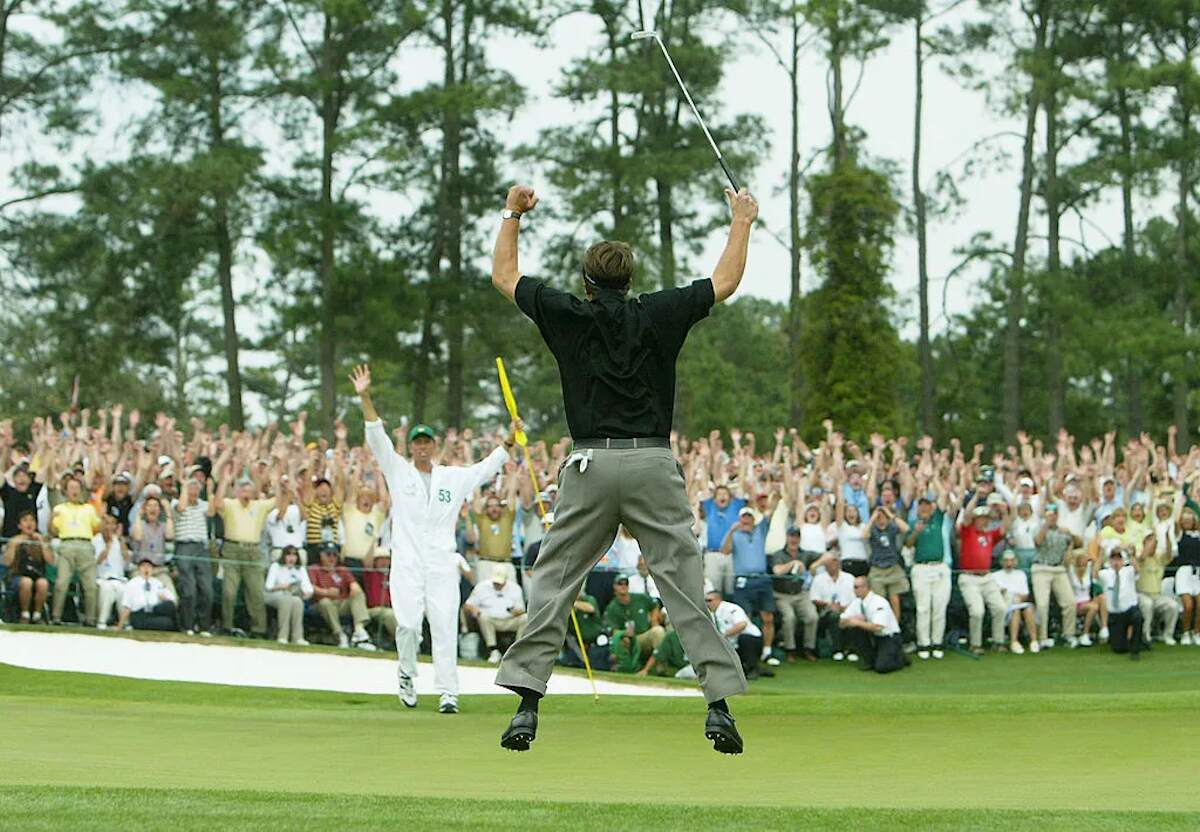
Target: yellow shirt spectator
<point>245,523</point>
<point>362,529</point>
<point>75,521</point>
<point>496,536</point>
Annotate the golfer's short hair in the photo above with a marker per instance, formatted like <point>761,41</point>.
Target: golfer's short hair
<point>609,264</point>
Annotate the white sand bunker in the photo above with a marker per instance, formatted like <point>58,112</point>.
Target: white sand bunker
<point>252,666</point>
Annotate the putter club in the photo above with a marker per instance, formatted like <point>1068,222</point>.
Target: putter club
<point>647,34</point>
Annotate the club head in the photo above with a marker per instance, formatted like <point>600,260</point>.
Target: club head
<point>644,35</point>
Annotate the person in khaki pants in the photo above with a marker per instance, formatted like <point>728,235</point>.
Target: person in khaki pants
<point>499,607</point>
<point>1152,601</point>
<point>241,561</point>
<point>1053,543</point>
<point>74,523</point>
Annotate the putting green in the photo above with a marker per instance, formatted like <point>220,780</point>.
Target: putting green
<point>1066,732</point>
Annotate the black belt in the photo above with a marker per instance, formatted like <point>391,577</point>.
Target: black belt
<point>623,444</point>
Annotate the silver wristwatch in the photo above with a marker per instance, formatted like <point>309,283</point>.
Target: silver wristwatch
<point>508,214</point>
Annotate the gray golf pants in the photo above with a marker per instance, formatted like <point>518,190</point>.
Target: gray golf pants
<point>643,489</point>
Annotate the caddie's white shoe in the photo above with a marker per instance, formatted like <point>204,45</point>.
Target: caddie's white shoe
<point>408,693</point>
<point>448,704</point>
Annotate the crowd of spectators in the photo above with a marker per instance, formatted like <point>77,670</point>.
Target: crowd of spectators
<point>865,554</point>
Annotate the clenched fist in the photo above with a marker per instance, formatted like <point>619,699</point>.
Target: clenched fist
<point>742,205</point>
<point>521,199</point>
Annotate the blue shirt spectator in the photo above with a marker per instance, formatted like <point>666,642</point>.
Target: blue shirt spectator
<point>719,519</point>
<point>750,545</point>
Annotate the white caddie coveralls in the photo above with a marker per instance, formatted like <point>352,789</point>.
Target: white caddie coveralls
<point>424,577</point>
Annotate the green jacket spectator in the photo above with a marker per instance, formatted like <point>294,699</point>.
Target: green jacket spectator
<point>632,607</point>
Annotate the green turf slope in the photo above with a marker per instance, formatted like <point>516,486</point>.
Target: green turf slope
<point>1006,743</point>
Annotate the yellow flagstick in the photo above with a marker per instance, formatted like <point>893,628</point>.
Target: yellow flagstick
<point>510,402</point>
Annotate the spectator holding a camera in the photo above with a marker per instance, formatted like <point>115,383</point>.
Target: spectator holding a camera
<point>886,574</point>
<point>287,588</point>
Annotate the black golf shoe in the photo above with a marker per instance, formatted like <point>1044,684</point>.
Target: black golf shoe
<point>719,727</point>
<point>520,732</point>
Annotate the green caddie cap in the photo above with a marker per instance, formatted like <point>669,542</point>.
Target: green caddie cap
<point>421,430</point>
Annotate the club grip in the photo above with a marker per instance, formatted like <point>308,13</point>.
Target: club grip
<point>729,175</point>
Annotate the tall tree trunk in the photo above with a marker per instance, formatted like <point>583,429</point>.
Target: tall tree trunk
<point>327,316</point>
<point>924,351</point>
<point>795,322</point>
<point>421,370</point>
<point>614,138</point>
<point>666,232</point>
<point>1182,269</point>
<point>6,11</point>
<point>452,211</point>
<point>1128,252</point>
<point>224,241</point>
<point>1055,395</point>
<point>837,113</point>
<point>1015,304</point>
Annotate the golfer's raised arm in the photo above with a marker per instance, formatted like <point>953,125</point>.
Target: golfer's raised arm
<point>505,271</point>
<point>728,274</point>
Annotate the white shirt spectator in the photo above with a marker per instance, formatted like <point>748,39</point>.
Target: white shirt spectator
<point>1022,531</point>
<point>1082,587</point>
<point>623,555</point>
<point>1074,520</point>
<point>287,530</point>
<point>729,615</point>
<point>644,586</point>
<point>813,538</point>
<point>826,590</point>
<point>112,568</point>
<point>851,541</point>
<point>147,593</point>
<point>1120,589</point>
<point>1012,582</point>
<point>876,609</point>
<point>287,575</point>
<point>496,603</point>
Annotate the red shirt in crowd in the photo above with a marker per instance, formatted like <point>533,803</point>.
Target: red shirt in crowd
<point>375,585</point>
<point>975,549</point>
<point>338,578</point>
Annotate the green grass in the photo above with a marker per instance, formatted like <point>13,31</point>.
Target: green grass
<point>1005,743</point>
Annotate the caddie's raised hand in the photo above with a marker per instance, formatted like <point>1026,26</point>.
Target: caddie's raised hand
<point>361,377</point>
<point>521,199</point>
<point>742,205</point>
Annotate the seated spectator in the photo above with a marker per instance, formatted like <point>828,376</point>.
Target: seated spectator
<point>337,593</point>
<point>152,529</point>
<point>791,578</point>
<point>741,633</point>
<point>1014,586</point>
<point>112,558</point>
<point>641,582</point>
<point>26,556</point>
<point>1089,605</point>
<point>1153,603</point>
<point>147,604</point>
<point>498,606</point>
<point>286,589</point>
<point>1119,582</point>
<point>832,592</point>
<point>669,659</point>
<point>626,612</point>
<point>871,628</point>
<point>591,625</point>
<point>379,592</point>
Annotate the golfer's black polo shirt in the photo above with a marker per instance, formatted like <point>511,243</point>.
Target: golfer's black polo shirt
<point>616,355</point>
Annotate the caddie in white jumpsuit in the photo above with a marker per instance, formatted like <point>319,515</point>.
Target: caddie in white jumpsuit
<point>424,579</point>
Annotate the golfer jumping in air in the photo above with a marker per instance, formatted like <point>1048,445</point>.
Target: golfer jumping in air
<point>616,357</point>
<point>426,499</point>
